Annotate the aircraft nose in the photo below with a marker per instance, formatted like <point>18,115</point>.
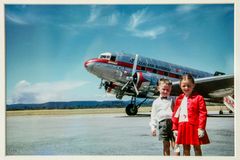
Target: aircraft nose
<point>86,64</point>
<point>89,65</point>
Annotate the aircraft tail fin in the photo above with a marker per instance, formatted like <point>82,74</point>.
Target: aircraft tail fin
<point>217,73</point>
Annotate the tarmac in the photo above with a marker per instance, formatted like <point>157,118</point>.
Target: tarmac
<point>103,134</point>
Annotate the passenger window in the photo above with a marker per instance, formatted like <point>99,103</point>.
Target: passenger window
<point>143,68</point>
<point>165,73</point>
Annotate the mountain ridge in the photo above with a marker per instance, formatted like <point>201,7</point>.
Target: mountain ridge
<point>73,105</point>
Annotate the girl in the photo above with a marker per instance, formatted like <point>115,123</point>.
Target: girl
<point>190,117</point>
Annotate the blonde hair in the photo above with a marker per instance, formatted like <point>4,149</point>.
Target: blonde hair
<point>164,81</point>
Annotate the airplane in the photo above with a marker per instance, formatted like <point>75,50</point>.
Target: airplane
<point>137,76</point>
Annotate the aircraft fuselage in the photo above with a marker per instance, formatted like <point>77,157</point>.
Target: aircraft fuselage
<point>117,69</point>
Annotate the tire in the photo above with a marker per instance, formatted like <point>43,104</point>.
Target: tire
<point>131,109</point>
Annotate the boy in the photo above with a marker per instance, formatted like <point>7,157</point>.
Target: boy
<point>161,115</point>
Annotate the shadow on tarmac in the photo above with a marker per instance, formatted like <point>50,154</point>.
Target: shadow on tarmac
<point>209,115</point>
<point>221,115</point>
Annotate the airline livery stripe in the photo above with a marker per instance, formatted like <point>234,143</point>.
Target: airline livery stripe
<point>142,68</point>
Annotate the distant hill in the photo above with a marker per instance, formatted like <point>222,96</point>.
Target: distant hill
<point>74,105</point>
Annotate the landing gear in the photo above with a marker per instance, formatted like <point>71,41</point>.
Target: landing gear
<point>220,112</point>
<point>132,108</point>
<point>119,94</point>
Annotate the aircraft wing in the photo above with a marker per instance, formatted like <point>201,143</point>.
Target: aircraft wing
<point>211,87</point>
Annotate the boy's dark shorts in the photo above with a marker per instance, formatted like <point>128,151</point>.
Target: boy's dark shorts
<point>165,130</point>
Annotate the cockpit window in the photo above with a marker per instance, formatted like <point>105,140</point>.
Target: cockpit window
<point>113,58</point>
<point>105,56</point>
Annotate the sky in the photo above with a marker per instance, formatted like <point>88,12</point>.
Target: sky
<point>47,45</point>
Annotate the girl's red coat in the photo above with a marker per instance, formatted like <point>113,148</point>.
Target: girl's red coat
<point>197,112</point>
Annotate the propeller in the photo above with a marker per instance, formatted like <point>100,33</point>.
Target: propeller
<point>101,84</point>
<point>130,79</point>
<point>135,65</point>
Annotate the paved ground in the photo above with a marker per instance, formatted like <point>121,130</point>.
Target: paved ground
<point>102,134</point>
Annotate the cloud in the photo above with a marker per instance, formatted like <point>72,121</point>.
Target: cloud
<point>141,19</point>
<point>26,92</point>
<point>113,19</point>
<point>94,13</point>
<point>182,9</point>
<point>105,97</point>
<point>15,19</point>
<point>99,16</point>
<point>138,18</point>
<point>149,33</point>
<point>109,97</point>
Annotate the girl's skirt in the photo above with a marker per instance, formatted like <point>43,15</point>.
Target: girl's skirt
<point>188,135</point>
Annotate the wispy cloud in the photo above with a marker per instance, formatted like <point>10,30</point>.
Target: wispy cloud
<point>138,21</point>
<point>15,19</point>
<point>105,97</point>
<point>29,17</point>
<point>182,9</point>
<point>94,13</point>
<point>149,33</point>
<point>138,18</point>
<point>113,19</point>
<point>108,97</point>
<point>100,17</point>
<point>25,92</point>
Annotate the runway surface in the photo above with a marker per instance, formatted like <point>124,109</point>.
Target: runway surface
<point>102,134</point>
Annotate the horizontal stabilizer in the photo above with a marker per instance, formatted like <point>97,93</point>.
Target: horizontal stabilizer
<point>217,73</point>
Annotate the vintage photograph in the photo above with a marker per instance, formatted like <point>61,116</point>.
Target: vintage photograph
<point>119,79</point>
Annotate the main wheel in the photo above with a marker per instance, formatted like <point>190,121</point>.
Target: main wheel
<point>131,109</point>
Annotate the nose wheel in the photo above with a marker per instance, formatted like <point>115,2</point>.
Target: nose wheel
<point>131,109</point>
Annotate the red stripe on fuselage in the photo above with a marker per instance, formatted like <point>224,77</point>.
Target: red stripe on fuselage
<point>124,64</point>
<point>129,65</point>
<point>95,60</point>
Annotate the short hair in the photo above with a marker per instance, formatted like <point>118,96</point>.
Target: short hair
<point>164,81</point>
<point>187,76</point>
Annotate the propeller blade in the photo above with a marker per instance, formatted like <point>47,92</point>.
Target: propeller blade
<point>125,85</point>
<point>130,79</point>
<point>135,64</point>
<point>135,87</point>
<point>101,84</point>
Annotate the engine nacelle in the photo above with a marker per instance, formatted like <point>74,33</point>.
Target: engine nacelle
<point>109,86</point>
<point>144,80</point>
